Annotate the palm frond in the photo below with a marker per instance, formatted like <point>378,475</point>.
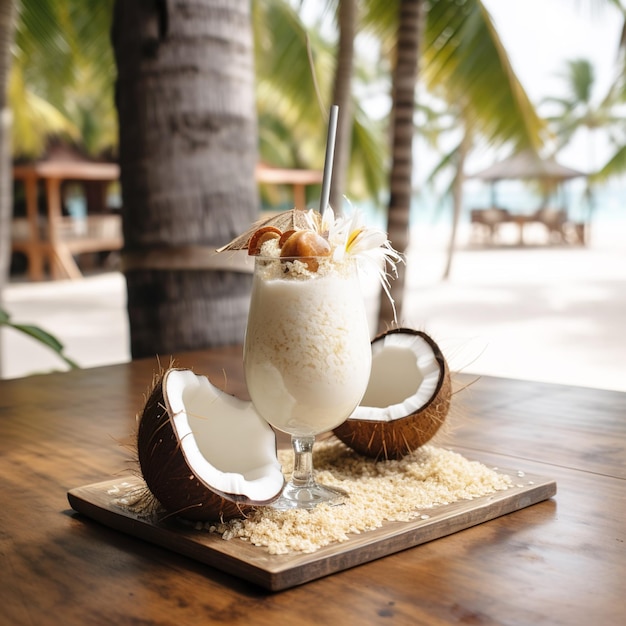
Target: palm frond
<point>466,63</point>
<point>615,166</point>
<point>367,172</point>
<point>63,54</point>
<point>35,120</point>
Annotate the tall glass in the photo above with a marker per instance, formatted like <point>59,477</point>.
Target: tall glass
<point>307,358</point>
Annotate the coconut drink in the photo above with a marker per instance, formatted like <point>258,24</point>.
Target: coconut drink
<point>307,352</point>
<point>307,363</point>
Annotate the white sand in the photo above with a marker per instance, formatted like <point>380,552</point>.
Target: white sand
<point>550,313</point>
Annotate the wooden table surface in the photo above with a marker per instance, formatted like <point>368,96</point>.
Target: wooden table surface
<point>561,561</point>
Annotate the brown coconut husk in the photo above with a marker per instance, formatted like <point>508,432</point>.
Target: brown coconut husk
<point>396,439</point>
<point>166,472</point>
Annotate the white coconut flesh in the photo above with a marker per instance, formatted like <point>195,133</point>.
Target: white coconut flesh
<point>404,378</point>
<point>228,445</point>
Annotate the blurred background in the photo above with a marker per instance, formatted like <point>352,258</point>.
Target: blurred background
<point>515,216</point>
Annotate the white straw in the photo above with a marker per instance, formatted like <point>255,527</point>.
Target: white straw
<point>328,161</point>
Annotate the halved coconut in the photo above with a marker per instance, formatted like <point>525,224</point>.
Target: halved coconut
<point>204,454</point>
<point>407,397</point>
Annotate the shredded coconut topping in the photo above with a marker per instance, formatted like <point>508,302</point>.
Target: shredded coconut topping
<point>379,491</point>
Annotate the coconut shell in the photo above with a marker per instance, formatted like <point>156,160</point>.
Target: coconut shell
<point>395,439</point>
<point>167,474</point>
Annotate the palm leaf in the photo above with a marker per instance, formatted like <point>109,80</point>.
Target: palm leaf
<point>35,119</point>
<point>40,335</point>
<point>466,64</point>
<point>615,166</point>
<point>367,174</point>
<point>63,57</point>
<point>292,121</point>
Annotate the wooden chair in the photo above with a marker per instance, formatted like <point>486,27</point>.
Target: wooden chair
<point>486,222</point>
<point>555,221</point>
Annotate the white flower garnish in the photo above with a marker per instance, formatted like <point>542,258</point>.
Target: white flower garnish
<point>348,235</point>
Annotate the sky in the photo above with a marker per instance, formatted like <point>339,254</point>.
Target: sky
<point>541,35</point>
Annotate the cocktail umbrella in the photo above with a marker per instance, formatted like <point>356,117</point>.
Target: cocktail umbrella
<point>294,219</point>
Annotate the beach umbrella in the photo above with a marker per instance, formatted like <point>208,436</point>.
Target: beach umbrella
<point>527,165</point>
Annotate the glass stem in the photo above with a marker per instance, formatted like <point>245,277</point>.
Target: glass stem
<point>303,462</point>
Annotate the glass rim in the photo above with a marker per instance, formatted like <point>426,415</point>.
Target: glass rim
<point>288,259</point>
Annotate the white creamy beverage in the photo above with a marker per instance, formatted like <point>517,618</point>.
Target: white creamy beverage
<point>307,351</point>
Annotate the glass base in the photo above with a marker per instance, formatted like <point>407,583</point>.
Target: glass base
<point>308,496</point>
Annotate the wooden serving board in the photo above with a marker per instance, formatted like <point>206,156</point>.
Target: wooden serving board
<point>276,572</point>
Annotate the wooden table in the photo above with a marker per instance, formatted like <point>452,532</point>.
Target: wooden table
<point>297,179</point>
<point>51,243</point>
<point>558,562</point>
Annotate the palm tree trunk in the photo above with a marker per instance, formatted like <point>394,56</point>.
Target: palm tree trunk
<point>404,81</point>
<point>185,99</point>
<point>457,199</point>
<point>342,97</point>
<point>6,186</point>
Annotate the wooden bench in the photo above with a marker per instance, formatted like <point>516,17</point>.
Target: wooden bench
<point>94,233</point>
<point>56,239</point>
<point>47,237</point>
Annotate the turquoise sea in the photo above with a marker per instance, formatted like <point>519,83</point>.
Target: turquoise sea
<point>608,203</point>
